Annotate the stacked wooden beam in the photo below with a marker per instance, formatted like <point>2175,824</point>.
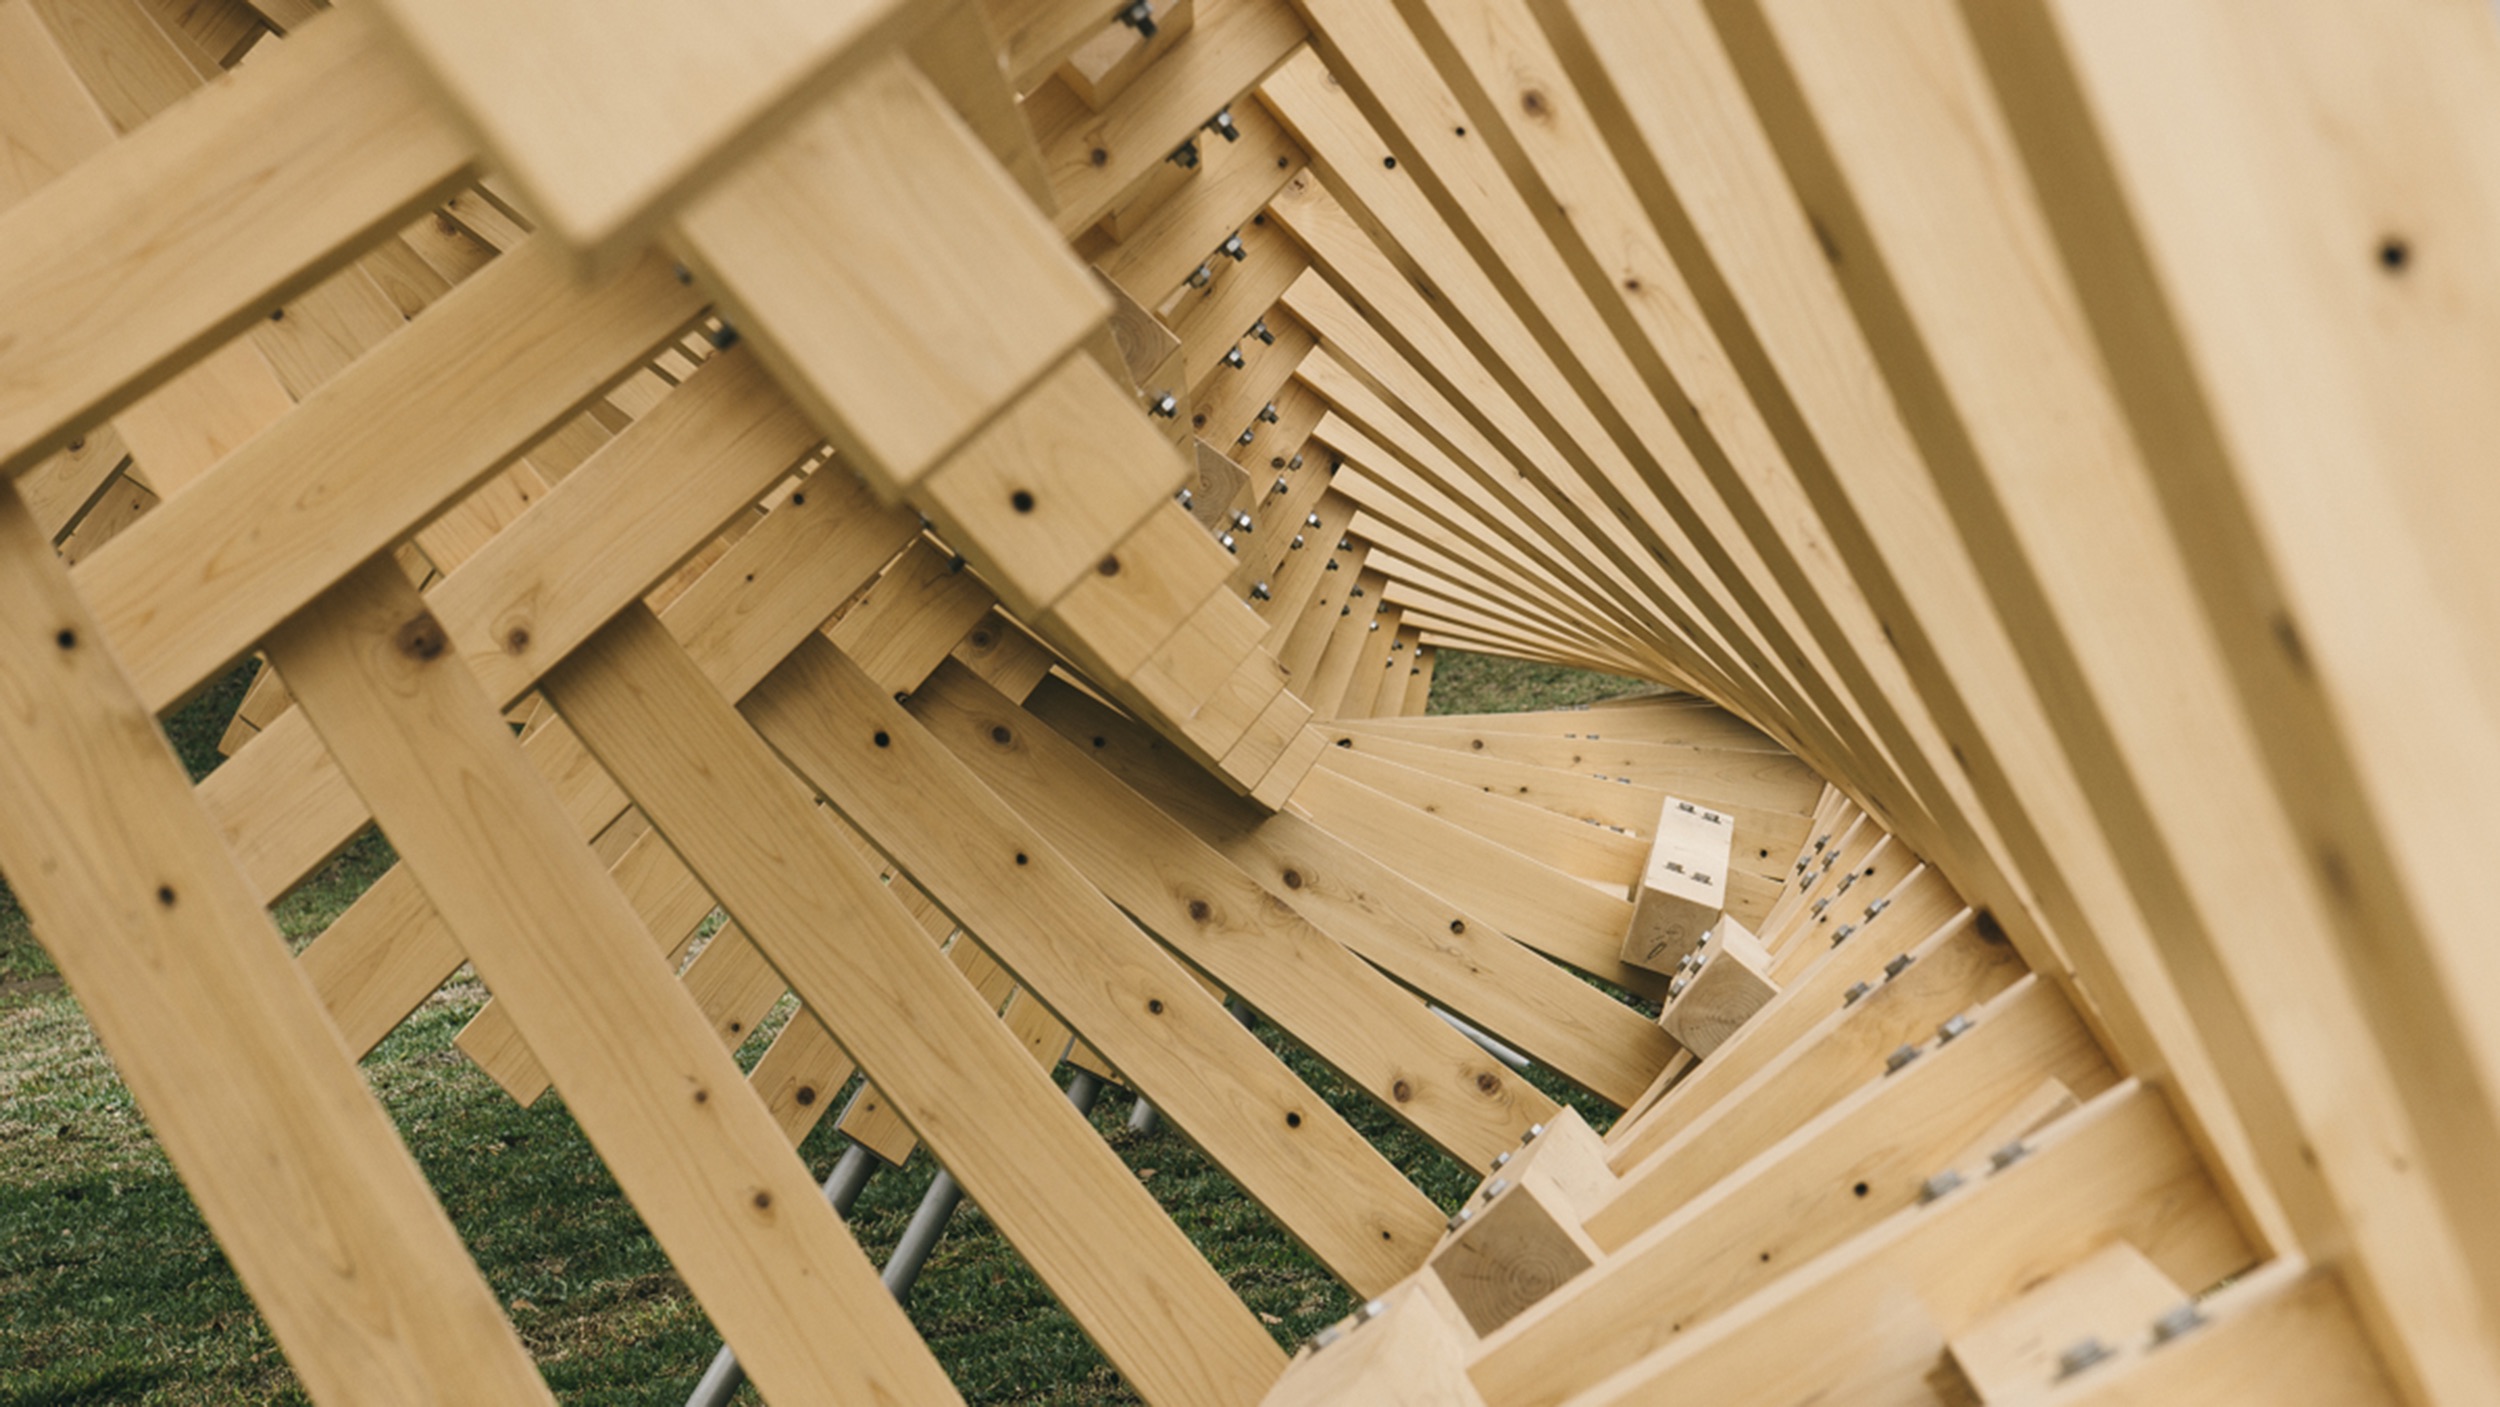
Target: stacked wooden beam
<point>950,512</point>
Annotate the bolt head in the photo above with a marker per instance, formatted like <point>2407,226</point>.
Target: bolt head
<point>2179,1319</point>
<point>2081,1354</point>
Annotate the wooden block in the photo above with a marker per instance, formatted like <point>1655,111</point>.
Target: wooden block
<point>1103,66</point>
<point>2108,1298</point>
<point>1731,982</point>
<point>1263,745</point>
<point>2286,1334</point>
<point>1517,1242</point>
<point>955,298</point>
<point>1401,1350</point>
<point>1139,594</point>
<point>1683,888</point>
<point>1145,345</point>
<point>1292,765</point>
<point>607,115</point>
<point>1044,492</point>
<point>1220,488</point>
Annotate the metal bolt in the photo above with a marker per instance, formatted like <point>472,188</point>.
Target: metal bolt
<point>1500,1158</point>
<point>1241,520</point>
<point>1259,592</point>
<point>1345,544</point>
<point>1533,1133</point>
<point>1371,1310</point>
<point>1268,414</point>
<point>1296,544</point>
<point>1311,521</point>
<point>2177,1320</point>
<point>1226,540</point>
<point>2008,1155</point>
<point>1281,485</point>
<point>1938,1186</point>
<point>1460,1218</point>
<point>2080,1355</point>
<point>1232,358</point>
<point>1296,461</point>
<point>1841,934</point>
<point>1821,904</point>
<point>1185,156</point>
<point>1496,1188</point>
<point>1953,1026</point>
<point>1332,566</point>
<point>1894,1062</point>
<point>1259,330</point>
<point>1248,435</point>
<point>1856,990</point>
<point>1187,498</point>
<point>1375,625</point>
<point>1222,125</point>
<point>1166,405</point>
<point>1140,16</point>
<point>1232,249</point>
<point>1898,966</point>
<point>1876,908</point>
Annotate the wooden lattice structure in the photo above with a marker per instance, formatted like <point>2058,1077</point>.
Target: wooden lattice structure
<point>972,491</point>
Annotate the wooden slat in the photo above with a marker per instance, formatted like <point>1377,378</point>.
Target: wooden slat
<point>294,1164</point>
<point>177,238</point>
<point>1208,911</point>
<point>366,457</point>
<point>552,936</point>
<point>757,841</point>
<point>1459,961</point>
<point>1065,942</point>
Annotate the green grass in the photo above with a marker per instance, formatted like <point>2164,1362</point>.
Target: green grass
<point>1465,683</point>
<point>112,1290</point>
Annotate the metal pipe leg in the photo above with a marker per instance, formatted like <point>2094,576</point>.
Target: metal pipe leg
<point>937,1207</point>
<point>1492,1047</point>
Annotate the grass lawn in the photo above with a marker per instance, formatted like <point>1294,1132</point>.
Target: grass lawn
<point>112,1291</point>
